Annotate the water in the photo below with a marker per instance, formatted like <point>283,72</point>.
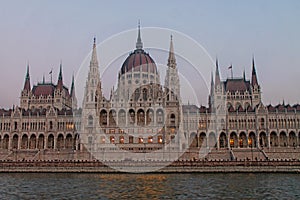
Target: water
<point>149,186</point>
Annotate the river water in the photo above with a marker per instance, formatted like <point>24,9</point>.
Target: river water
<point>149,186</point>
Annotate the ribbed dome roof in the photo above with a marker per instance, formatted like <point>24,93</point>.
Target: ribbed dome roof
<point>137,61</point>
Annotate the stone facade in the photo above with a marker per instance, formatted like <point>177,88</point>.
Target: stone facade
<point>142,115</point>
<point>44,119</point>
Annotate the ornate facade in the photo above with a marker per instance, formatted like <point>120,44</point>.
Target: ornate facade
<point>43,121</point>
<point>237,118</point>
<point>142,115</point>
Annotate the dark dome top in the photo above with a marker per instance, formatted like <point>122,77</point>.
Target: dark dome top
<point>139,60</point>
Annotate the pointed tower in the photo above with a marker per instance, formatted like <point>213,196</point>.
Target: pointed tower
<point>60,78</point>
<point>212,88</point>
<point>93,81</point>
<point>218,94</point>
<point>217,76</point>
<point>172,101</point>
<point>27,80</point>
<point>255,87</point>
<point>139,44</point>
<point>72,94</point>
<point>171,59</point>
<point>60,100</point>
<point>92,96</point>
<point>172,85</point>
<point>26,92</point>
<point>254,77</point>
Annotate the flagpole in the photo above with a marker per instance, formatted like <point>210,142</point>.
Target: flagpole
<point>51,74</point>
<point>230,67</point>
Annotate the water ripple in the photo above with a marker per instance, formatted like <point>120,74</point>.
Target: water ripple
<point>149,186</point>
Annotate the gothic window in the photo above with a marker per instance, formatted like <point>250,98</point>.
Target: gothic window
<point>103,117</point>
<point>136,94</point>
<point>262,123</point>
<point>141,117</point>
<point>160,117</point>
<point>150,139</point>
<point>141,140</point>
<point>172,119</point>
<point>112,118</point>
<point>145,94</point>
<point>16,125</point>
<point>122,117</point>
<point>112,139</point>
<point>50,125</point>
<point>92,95</point>
<point>131,116</point>
<point>90,120</point>
<point>130,139</point>
<point>121,139</point>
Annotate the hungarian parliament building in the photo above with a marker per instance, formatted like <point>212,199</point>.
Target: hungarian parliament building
<point>143,115</point>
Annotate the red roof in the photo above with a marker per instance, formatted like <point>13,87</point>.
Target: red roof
<point>271,108</point>
<point>280,108</point>
<point>237,85</point>
<point>297,107</point>
<point>43,89</point>
<point>137,60</point>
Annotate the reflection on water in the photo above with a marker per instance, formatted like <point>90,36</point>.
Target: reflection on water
<point>149,186</point>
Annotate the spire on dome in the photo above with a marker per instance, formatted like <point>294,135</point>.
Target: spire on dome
<point>27,80</point>
<point>139,44</point>
<point>217,76</point>
<point>60,79</point>
<point>171,59</point>
<point>254,76</point>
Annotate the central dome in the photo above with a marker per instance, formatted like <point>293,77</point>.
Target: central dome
<point>139,61</point>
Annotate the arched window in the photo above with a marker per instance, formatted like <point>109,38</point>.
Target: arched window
<point>262,122</point>
<point>172,119</point>
<point>90,120</point>
<point>92,95</point>
<point>145,94</point>
<point>50,125</point>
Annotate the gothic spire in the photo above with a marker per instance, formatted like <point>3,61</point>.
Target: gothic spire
<point>27,80</point>
<point>139,44</point>
<point>254,76</point>
<point>212,85</point>
<point>217,76</point>
<point>60,78</point>
<point>72,92</point>
<point>94,59</point>
<point>171,59</point>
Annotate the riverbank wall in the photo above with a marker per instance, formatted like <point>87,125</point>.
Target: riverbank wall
<point>151,167</point>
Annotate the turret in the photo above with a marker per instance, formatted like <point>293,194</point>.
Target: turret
<point>217,76</point>
<point>27,81</point>
<point>72,94</point>
<point>60,78</point>
<point>254,76</point>
<point>171,59</point>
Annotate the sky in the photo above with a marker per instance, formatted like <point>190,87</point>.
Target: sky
<point>45,33</point>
